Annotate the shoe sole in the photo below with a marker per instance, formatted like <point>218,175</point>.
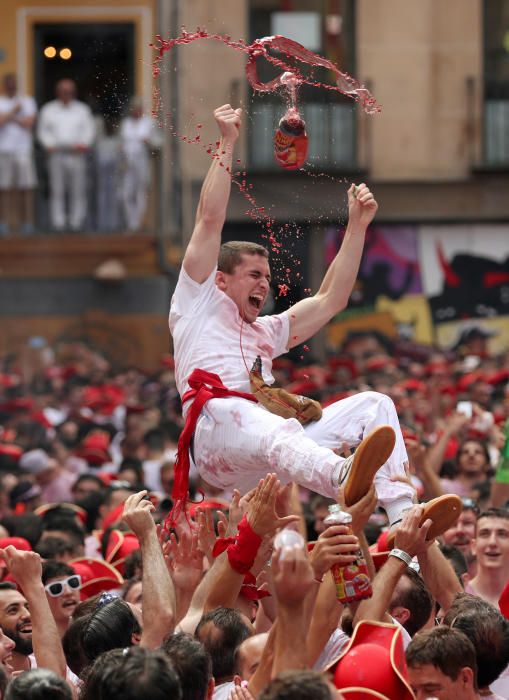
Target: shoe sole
<point>369,456</point>
<point>443,511</point>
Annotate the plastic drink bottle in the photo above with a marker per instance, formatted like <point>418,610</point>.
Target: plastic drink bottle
<point>352,581</point>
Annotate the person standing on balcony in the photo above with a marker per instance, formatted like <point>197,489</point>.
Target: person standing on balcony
<point>17,171</point>
<point>66,131</point>
<point>137,136</point>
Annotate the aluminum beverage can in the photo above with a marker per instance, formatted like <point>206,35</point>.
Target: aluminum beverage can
<point>352,582</point>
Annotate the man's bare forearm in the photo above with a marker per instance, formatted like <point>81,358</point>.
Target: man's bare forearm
<point>203,249</point>
<point>375,608</point>
<point>216,188</point>
<point>291,651</point>
<point>158,593</point>
<point>225,588</point>
<point>309,315</point>
<point>340,278</point>
<point>45,637</point>
<point>439,576</point>
<point>325,619</point>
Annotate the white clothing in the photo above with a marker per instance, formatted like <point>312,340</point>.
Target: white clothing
<point>152,474</point>
<point>501,685</point>
<point>223,690</point>
<point>15,138</point>
<point>332,650</point>
<point>68,173</point>
<point>70,676</point>
<point>17,170</point>
<point>66,126</point>
<point>236,441</point>
<point>62,129</point>
<point>206,327</point>
<point>107,182</point>
<point>135,136</point>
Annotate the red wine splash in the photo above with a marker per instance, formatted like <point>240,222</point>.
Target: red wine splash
<point>287,48</point>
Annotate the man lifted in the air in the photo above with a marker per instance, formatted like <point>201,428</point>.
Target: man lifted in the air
<point>215,324</point>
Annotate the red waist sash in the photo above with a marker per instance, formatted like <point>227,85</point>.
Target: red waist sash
<point>204,386</point>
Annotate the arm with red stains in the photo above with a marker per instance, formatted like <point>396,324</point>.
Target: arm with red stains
<point>308,316</point>
<point>203,249</point>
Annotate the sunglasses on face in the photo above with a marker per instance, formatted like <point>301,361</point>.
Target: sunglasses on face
<point>56,588</point>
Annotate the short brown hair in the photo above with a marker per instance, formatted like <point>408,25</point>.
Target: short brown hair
<point>447,649</point>
<point>230,254</point>
<point>487,629</point>
<point>415,597</point>
<point>298,685</point>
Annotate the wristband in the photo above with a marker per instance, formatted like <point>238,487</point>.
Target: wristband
<point>242,550</point>
<point>400,554</point>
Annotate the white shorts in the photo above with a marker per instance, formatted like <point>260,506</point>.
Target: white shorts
<point>17,171</point>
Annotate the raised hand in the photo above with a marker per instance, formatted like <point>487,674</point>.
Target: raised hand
<point>240,692</point>
<point>362,205</point>
<point>26,567</point>
<point>410,537</point>
<point>206,532</point>
<point>138,514</point>
<point>293,575</point>
<point>360,511</point>
<point>229,121</point>
<point>227,525</point>
<point>184,560</point>
<point>262,515</point>
<point>334,546</point>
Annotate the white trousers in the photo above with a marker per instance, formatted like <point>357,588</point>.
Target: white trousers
<point>134,191</point>
<point>237,442</point>
<point>68,176</point>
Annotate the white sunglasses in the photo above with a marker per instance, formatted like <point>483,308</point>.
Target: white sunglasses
<point>56,588</point>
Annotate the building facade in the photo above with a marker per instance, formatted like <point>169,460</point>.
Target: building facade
<point>436,156</point>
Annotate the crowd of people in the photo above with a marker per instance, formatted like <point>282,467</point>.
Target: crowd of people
<point>102,603</point>
<point>165,534</point>
<point>97,167</point>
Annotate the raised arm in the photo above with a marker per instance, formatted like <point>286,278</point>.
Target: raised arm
<point>309,315</point>
<point>26,568</point>
<point>158,593</point>
<point>203,249</point>
<point>439,576</point>
<point>411,539</point>
<point>293,581</point>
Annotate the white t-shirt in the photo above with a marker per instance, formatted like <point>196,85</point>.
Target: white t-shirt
<point>70,676</point>
<point>66,126</point>
<point>501,685</point>
<point>208,331</point>
<point>223,690</point>
<point>13,137</point>
<point>134,134</point>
